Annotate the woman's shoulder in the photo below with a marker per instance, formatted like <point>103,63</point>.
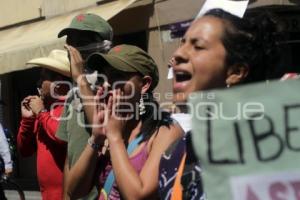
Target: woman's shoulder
<point>167,134</point>
<point>174,125</point>
<point>169,131</point>
<point>184,121</point>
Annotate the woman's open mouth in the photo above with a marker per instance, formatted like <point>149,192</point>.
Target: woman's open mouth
<point>181,80</point>
<point>182,76</point>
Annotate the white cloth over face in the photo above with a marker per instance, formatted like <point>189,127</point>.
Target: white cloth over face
<point>74,94</point>
<point>4,150</point>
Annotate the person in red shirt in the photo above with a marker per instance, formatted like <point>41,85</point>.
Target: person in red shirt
<point>40,119</point>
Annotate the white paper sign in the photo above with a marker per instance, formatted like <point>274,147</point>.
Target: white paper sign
<point>274,186</point>
<point>170,73</point>
<point>236,8</point>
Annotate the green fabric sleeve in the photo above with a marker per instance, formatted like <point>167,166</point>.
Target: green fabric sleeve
<point>62,132</point>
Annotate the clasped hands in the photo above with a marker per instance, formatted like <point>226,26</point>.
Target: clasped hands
<point>109,119</point>
<point>31,106</point>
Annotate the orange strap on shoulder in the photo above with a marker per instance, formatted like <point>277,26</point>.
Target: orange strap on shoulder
<point>177,188</point>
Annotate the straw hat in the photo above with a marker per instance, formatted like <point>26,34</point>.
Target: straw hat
<point>57,61</point>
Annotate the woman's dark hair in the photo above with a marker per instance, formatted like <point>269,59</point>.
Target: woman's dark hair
<point>154,117</point>
<point>250,41</point>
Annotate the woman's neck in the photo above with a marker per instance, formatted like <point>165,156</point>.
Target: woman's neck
<point>132,130</point>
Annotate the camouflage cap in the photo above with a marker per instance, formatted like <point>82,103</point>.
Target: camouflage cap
<point>126,58</point>
<point>89,22</point>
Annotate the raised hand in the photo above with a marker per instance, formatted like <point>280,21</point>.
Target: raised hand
<point>99,117</point>
<point>36,104</point>
<point>76,62</point>
<point>117,119</point>
<point>25,108</point>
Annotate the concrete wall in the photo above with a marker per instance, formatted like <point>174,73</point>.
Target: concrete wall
<point>15,11</point>
<point>161,51</point>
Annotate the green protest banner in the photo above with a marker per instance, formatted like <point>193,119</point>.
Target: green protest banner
<point>248,141</point>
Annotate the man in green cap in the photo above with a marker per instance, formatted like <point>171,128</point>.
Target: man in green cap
<point>87,33</point>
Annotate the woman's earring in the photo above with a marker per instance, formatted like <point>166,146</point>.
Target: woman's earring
<point>228,85</point>
<point>142,108</point>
